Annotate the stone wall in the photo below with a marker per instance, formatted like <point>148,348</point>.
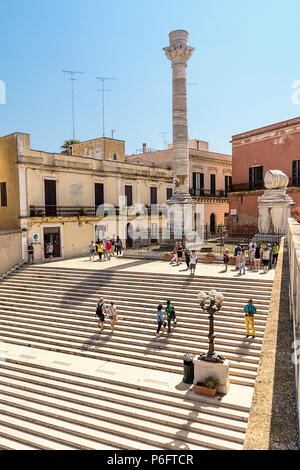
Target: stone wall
<point>293,237</point>
<point>10,250</point>
<point>273,420</point>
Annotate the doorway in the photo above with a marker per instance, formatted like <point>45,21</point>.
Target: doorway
<point>52,235</point>
<point>212,223</point>
<point>129,241</point>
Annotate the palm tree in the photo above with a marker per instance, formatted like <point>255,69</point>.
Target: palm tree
<point>67,146</point>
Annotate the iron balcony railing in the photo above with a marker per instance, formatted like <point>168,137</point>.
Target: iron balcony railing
<point>89,211</point>
<point>208,192</point>
<point>240,187</point>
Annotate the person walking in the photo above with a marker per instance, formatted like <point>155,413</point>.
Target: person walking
<point>226,259</point>
<point>119,246</point>
<point>237,253</point>
<point>108,246</point>
<point>270,249</point>
<point>250,310</point>
<point>252,250</point>
<point>242,262</point>
<point>266,258</point>
<point>112,315</point>
<point>275,253</point>
<point>187,255</point>
<point>101,311</point>
<point>179,253</point>
<point>100,248</point>
<point>160,319</point>
<point>175,257</point>
<point>170,315</point>
<point>30,250</point>
<point>113,245</point>
<point>50,250</point>
<point>257,258</point>
<point>92,248</point>
<point>104,250</point>
<point>193,262</point>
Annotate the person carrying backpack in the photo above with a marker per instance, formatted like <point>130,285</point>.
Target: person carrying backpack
<point>170,315</point>
<point>100,313</point>
<point>160,319</point>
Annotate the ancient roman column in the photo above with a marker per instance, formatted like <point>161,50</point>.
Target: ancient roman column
<point>179,53</point>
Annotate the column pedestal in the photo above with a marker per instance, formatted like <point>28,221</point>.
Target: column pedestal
<point>203,370</point>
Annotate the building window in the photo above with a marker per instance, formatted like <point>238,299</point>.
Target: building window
<point>169,193</point>
<point>50,198</point>
<point>153,195</point>
<point>228,183</point>
<point>99,194</point>
<point>3,193</point>
<point>213,184</point>
<point>128,195</point>
<point>115,156</point>
<point>198,184</point>
<point>256,177</point>
<point>296,172</point>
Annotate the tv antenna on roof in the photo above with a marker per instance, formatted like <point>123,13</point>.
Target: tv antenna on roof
<point>103,80</point>
<point>164,138</point>
<point>72,74</point>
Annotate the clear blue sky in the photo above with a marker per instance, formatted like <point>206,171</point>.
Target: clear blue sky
<point>246,58</point>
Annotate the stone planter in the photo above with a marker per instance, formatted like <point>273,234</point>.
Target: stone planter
<point>209,258</point>
<point>168,255</point>
<point>209,392</point>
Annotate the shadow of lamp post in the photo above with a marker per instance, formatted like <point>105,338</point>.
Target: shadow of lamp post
<point>211,304</point>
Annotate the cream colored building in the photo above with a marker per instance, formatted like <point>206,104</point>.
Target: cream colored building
<point>209,179</point>
<point>54,197</point>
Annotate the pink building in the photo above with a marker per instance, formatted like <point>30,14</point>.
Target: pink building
<point>210,177</point>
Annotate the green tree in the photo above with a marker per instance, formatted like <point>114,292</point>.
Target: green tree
<point>66,147</point>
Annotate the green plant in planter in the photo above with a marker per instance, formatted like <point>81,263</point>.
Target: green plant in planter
<point>210,382</point>
<point>82,212</point>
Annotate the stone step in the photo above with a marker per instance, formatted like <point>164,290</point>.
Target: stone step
<point>180,340</point>
<point>96,431</point>
<point>108,340</point>
<point>92,296</point>
<point>117,277</point>
<point>145,275</point>
<point>90,326</point>
<point>22,436</point>
<point>154,343</point>
<point>7,443</point>
<point>85,413</point>
<point>110,398</point>
<point>86,383</point>
<point>130,318</point>
<point>111,354</point>
<point>84,282</point>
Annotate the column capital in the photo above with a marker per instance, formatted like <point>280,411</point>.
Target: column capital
<point>179,53</point>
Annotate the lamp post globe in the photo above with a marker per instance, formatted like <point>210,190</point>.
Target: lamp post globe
<point>211,304</point>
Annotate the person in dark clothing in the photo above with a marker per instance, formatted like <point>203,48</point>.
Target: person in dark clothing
<point>187,254</point>
<point>170,315</point>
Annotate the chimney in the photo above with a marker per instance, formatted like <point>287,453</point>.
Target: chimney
<point>144,148</point>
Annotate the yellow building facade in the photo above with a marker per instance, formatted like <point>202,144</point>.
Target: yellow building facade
<point>55,198</point>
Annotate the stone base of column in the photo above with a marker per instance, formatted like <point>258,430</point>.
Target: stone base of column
<point>181,198</point>
<point>203,370</point>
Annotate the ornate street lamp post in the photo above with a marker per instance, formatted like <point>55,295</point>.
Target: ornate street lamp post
<point>211,304</point>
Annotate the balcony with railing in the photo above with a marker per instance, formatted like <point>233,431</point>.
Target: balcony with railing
<point>259,185</point>
<point>222,193</point>
<point>36,211</point>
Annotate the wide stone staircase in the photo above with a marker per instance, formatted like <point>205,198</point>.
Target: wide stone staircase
<point>53,309</point>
